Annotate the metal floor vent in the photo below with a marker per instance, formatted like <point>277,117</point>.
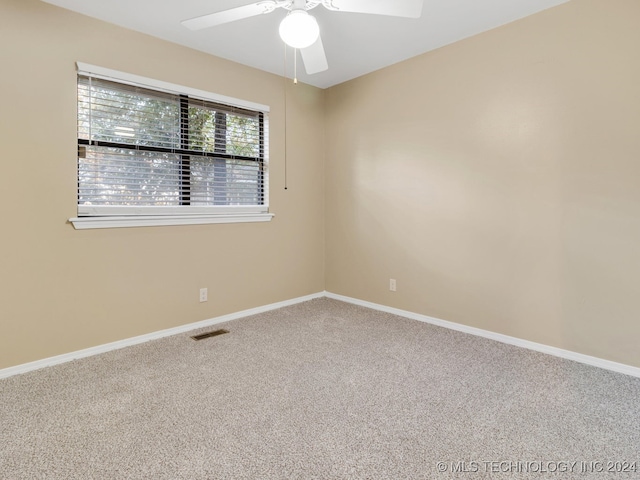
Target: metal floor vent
<point>214,333</point>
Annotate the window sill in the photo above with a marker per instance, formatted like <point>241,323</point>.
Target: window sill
<point>84,223</point>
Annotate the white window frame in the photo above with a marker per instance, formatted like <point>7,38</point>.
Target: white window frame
<point>144,216</point>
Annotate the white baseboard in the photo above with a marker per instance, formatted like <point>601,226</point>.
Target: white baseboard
<point>518,342</point>
<point>107,347</point>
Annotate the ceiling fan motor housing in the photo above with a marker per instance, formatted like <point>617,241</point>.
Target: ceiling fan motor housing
<point>301,4</point>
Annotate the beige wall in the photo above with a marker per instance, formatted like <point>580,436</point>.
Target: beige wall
<point>62,290</point>
<point>498,180</point>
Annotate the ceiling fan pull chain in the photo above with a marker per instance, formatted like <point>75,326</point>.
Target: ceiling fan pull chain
<point>295,66</point>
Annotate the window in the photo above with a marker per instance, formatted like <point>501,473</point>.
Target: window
<point>151,153</point>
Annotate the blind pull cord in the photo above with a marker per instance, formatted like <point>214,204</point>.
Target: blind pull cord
<point>285,115</point>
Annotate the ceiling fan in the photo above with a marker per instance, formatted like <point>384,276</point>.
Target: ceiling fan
<point>299,29</point>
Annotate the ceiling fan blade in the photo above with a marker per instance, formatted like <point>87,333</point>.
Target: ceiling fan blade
<point>393,8</point>
<point>314,58</point>
<point>226,16</point>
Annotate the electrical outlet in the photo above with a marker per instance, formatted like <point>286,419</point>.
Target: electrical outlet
<point>203,295</point>
<point>392,284</point>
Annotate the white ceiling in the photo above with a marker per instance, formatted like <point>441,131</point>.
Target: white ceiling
<point>355,44</point>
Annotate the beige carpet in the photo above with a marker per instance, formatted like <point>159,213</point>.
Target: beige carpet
<point>320,390</point>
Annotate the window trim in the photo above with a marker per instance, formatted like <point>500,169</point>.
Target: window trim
<point>134,217</point>
<point>85,223</point>
<point>173,88</point>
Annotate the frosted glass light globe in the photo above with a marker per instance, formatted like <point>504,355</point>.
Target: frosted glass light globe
<point>299,29</point>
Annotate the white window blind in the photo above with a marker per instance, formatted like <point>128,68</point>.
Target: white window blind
<point>146,151</point>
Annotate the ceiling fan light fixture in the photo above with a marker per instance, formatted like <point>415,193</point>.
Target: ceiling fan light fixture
<point>299,29</point>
